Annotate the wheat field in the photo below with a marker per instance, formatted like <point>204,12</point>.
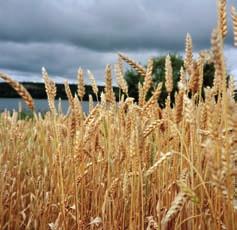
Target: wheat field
<point>126,164</point>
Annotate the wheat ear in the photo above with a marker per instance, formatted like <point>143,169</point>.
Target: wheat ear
<point>50,89</point>
<point>139,68</point>
<point>120,78</point>
<point>168,74</point>
<point>234,19</point>
<point>188,53</point>
<point>109,94</point>
<point>148,79</point>
<point>200,65</point>
<point>93,83</point>
<point>92,114</point>
<point>194,79</point>
<point>175,208</point>
<point>68,93</point>
<point>153,100</point>
<point>217,49</point>
<point>223,18</point>
<point>153,168</point>
<point>188,110</point>
<point>151,127</point>
<point>80,82</point>
<point>141,98</point>
<point>78,112</point>
<point>20,89</point>
<point>179,106</point>
<point>231,86</point>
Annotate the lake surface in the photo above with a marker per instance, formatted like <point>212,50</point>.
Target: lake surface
<point>41,105</point>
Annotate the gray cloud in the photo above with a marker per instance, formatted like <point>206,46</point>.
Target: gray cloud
<point>59,59</point>
<point>65,34</point>
<point>105,25</point>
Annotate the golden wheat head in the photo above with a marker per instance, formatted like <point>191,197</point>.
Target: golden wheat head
<point>20,89</point>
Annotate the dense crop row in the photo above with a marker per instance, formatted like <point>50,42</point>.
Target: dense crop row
<point>126,165</point>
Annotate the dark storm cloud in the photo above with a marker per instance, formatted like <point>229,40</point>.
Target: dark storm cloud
<point>31,57</point>
<point>65,34</point>
<point>106,25</point>
<point>59,59</point>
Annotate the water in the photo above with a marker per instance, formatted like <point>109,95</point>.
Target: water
<point>41,105</point>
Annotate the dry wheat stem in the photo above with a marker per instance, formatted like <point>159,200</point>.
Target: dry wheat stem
<point>106,169</point>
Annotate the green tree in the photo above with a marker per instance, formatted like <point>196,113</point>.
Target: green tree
<point>158,75</point>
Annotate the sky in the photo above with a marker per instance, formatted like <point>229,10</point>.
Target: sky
<point>63,35</point>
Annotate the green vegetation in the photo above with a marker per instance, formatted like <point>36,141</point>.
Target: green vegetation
<point>158,75</point>
<point>37,90</point>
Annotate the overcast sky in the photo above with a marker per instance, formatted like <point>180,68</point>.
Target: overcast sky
<point>65,34</point>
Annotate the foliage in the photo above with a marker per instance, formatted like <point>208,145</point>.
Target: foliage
<point>158,75</point>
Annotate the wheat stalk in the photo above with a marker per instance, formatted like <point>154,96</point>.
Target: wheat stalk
<point>106,168</point>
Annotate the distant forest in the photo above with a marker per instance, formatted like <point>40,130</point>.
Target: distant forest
<point>37,90</point>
